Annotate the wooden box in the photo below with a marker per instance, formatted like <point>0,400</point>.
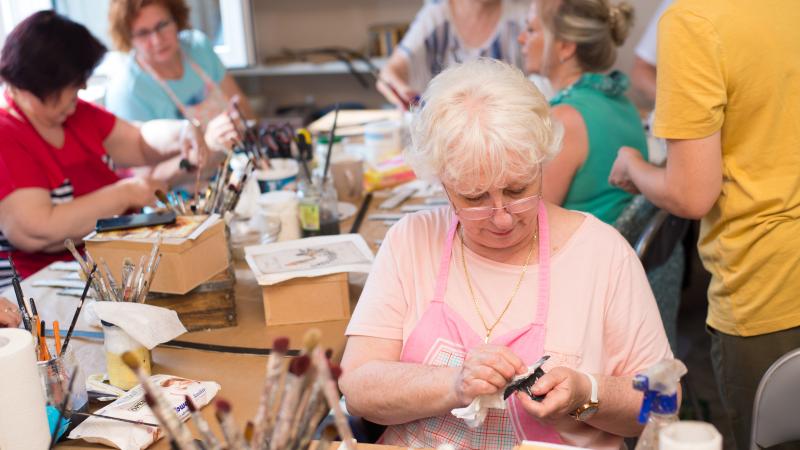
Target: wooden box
<point>182,268</point>
<point>208,306</point>
<point>307,300</point>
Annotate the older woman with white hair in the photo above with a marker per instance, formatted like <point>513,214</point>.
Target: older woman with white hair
<point>462,299</point>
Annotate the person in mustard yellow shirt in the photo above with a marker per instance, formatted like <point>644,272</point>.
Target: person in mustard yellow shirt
<point>727,101</point>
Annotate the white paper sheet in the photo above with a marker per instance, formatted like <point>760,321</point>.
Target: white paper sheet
<point>310,257</point>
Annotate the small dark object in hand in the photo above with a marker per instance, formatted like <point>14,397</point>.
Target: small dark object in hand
<point>525,385</point>
<point>187,166</point>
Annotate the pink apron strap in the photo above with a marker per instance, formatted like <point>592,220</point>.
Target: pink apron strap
<point>543,304</point>
<point>171,94</point>
<point>444,262</point>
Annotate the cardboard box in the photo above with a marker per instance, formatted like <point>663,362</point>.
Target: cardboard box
<point>183,266</point>
<point>307,300</point>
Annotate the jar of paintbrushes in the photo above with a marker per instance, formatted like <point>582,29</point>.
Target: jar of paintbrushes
<point>55,374</point>
<point>317,203</point>
<point>117,342</point>
<point>317,206</point>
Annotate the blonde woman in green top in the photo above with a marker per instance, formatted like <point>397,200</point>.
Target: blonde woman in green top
<point>572,43</point>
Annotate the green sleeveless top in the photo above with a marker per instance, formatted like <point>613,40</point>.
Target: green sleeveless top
<point>611,122</point>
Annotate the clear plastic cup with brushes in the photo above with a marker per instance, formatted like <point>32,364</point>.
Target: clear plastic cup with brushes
<point>55,374</point>
<point>117,342</point>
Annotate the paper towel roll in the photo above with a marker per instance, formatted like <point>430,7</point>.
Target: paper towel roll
<point>23,420</point>
<point>689,435</point>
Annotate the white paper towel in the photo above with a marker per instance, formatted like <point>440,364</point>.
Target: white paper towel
<point>147,324</point>
<point>23,420</point>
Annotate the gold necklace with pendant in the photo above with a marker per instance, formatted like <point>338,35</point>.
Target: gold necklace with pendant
<point>489,329</point>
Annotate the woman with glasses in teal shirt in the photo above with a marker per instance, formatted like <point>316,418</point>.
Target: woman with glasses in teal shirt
<point>172,71</point>
<point>572,43</point>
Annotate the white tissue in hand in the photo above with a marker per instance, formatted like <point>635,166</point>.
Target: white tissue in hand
<point>475,413</point>
<point>149,325</point>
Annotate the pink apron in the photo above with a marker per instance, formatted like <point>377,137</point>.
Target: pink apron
<point>443,338</point>
<point>200,114</point>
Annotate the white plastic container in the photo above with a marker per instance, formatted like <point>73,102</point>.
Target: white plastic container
<point>283,206</point>
<point>282,175</point>
<point>689,435</point>
<point>382,139</point>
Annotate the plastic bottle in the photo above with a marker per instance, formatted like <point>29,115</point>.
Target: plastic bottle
<point>660,404</point>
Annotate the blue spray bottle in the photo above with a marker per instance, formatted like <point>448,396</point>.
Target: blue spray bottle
<point>660,404</point>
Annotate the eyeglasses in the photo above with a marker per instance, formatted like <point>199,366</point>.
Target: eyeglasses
<point>484,212</point>
<point>145,34</point>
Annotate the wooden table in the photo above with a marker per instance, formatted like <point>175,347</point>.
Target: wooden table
<point>239,375</point>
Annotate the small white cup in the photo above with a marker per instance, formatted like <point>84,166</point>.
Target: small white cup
<point>689,435</point>
<point>382,139</point>
<point>281,205</point>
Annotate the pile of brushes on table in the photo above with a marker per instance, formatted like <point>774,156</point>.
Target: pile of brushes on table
<point>298,392</point>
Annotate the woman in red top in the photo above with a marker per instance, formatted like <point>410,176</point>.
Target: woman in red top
<point>58,152</point>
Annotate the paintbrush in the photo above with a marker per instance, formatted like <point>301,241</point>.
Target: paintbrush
<point>119,419</point>
<point>291,395</point>
<point>264,419</point>
<point>127,271</point>
<point>37,336</point>
<point>310,341</point>
<point>71,247</point>
<point>43,342</point>
<point>149,282</point>
<point>78,310</point>
<point>331,138</point>
<point>233,438</point>
<point>63,409</point>
<point>105,291</point>
<point>162,197</point>
<point>57,336</point>
<point>138,280</point>
<point>115,289</point>
<point>327,436</point>
<point>161,416</point>
<point>331,392</point>
<point>160,406</point>
<point>210,441</point>
<point>320,409</point>
<point>23,309</point>
<point>248,433</point>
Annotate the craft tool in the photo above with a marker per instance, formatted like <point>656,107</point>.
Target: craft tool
<point>78,310</point>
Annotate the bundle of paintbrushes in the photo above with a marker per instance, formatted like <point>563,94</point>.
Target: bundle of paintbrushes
<point>221,195</point>
<point>298,392</point>
<point>135,282</point>
<point>34,323</point>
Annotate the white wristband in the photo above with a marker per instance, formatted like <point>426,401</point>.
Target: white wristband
<point>592,380</point>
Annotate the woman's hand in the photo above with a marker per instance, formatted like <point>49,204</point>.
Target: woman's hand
<point>565,390</point>
<point>139,191</point>
<point>221,134</point>
<point>487,369</point>
<point>9,314</point>
<point>620,173</point>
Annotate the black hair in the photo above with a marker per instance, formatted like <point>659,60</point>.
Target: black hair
<point>47,53</point>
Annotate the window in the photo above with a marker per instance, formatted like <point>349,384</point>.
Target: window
<point>227,23</point>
